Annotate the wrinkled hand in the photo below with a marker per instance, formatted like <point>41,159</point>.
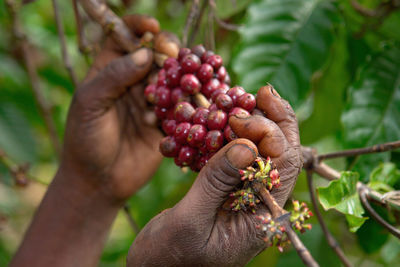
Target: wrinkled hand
<point>199,230</point>
<point>110,136</point>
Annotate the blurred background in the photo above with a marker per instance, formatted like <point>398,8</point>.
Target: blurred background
<point>337,62</point>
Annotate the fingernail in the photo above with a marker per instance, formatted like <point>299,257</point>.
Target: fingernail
<point>241,116</point>
<point>240,155</point>
<point>141,57</point>
<point>274,92</point>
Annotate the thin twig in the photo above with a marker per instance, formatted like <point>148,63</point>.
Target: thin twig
<point>210,31</point>
<point>221,23</point>
<point>197,23</point>
<point>24,45</point>
<point>277,211</point>
<point>64,49</point>
<point>359,151</point>
<point>190,19</point>
<point>329,237</point>
<point>111,24</point>
<point>131,220</point>
<point>363,192</point>
<point>362,10</point>
<point>83,46</point>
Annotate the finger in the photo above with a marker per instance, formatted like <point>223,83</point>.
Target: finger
<point>265,133</point>
<point>219,177</point>
<point>279,110</point>
<point>138,24</point>
<point>113,80</point>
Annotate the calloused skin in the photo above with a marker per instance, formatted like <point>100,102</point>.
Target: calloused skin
<point>110,138</point>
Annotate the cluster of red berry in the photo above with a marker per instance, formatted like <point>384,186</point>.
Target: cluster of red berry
<point>196,132</point>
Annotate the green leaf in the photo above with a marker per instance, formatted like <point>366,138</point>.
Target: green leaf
<point>342,196</point>
<point>372,115</point>
<point>284,43</point>
<point>386,173</point>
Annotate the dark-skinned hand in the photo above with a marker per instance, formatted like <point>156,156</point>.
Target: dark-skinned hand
<point>199,231</point>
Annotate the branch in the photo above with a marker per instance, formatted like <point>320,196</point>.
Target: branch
<point>131,220</point>
<point>83,46</point>
<point>360,151</point>
<point>23,44</point>
<point>192,16</point>
<point>362,10</point>
<point>197,24</point>
<point>329,237</point>
<point>363,192</point>
<point>64,50</point>
<point>277,211</point>
<point>111,24</point>
<point>210,31</point>
<point>221,23</point>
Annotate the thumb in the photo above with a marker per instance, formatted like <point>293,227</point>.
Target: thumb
<point>219,177</point>
<point>113,80</point>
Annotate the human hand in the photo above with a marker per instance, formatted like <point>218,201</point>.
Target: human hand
<point>200,230</point>
<point>110,135</point>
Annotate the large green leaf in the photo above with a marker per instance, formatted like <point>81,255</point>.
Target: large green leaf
<point>284,42</point>
<point>342,196</point>
<point>384,177</point>
<point>373,112</point>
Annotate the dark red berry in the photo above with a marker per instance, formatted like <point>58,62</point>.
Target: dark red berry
<point>161,113</point>
<point>198,50</point>
<point>217,120</point>
<point>190,63</point>
<point>150,93</point>
<point>214,140</point>
<point>196,135</point>
<point>169,147</point>
<point>173,77</point>
<point>178,162</point>
<point>169,126</point>
<point>206,55</point>
<point>239,111</point>
<point>199,163</point>
<point>181,132</point>
<point>215,61</point>
<point>227,79</point>
<point>163,97</point>
<point>212,107</point>
<point>162,78</point>
<point>224,87</point>
<point>221,74</point>
<point>186,155</point>
<point>220,90</point>
<point>208,88</point>
<point>229,134</point>
<point>201,116</point>
<point>205,72</point>
<point>224,102</point>
<point>190,84</point>
<point>184,112</point>
<point>183,52</point>
<point>170,62</point>
<point>177,96</point>
<point>235,92</point>
<point>246,101</point>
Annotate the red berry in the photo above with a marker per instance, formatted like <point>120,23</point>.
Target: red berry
<point>220,90</point>
<point>205,72</point>
<point>178,162</point>
<point>170,62</point>
<point>212,107</point>
<point>198,50</point>
<point>217,120</point>
<point>181,132</point>
<point>183,112</point>
<point>201,116</point>
<point>214,140</point>
<point>186,155</point>
<point>196,135</point>
<point>239,111</point>
<point>206,55</point>
<point>190,84</point>
<point>162,78</point>
<point>177,96</point>
<point>215,61</point>
<point>235,92</point>
<point>199,163</point>
<point>161,113</point>
<point>229,134</point>
<point>227,79</point>
<point>246,101</point>
<point>163,97</point>
<point>150,93</point>
<point>224,102</point>
<point>208,88</point>
<point>173,77</point>
<point>221,74</point>
<point>183,52</point>
<point>169,126</point>
<point>190,63</point>
<point>224,87</point>
<point>169,147</point>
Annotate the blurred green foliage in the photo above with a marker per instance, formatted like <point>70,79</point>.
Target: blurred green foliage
<point>338,68</point>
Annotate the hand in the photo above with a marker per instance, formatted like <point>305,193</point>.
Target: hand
<point>199,230</point>
<point>110,135</point>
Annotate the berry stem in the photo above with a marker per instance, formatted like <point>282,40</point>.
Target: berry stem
<point>201,100</point>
